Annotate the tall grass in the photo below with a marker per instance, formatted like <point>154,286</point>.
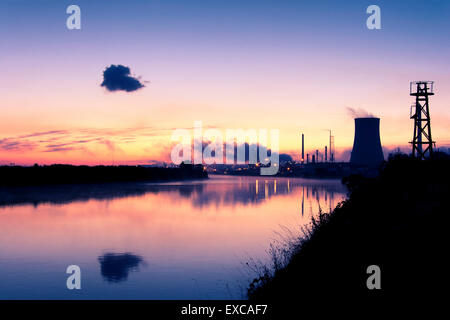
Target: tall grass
<point>281,251</point>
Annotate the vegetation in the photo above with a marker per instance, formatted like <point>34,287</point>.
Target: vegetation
<point>68,174</point>
<point>394,221</point>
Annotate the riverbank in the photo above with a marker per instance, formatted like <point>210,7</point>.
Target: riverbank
<point>392,221</point>
<point>16,176</point>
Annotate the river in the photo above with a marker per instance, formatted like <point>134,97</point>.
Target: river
<point>179,240</point>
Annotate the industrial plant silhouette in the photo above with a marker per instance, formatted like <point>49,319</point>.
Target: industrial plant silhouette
<point>366,157</point>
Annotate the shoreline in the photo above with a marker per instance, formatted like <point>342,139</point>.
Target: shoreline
<point>378,224</point>
<point>61,174</point>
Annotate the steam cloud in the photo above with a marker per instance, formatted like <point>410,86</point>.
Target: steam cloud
<point>359,113</point>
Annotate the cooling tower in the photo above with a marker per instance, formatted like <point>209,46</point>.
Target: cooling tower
<point>367,146</point>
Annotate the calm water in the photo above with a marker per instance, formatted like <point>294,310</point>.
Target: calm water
<point>186,240</point>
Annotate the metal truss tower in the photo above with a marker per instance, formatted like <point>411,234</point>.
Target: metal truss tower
<point>422,143</point>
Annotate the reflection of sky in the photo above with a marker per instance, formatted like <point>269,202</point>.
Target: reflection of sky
<point>192,248</point>
<point>222,191</point>
<point>227,63</point>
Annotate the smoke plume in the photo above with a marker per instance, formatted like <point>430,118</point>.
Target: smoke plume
<point>359,113</point>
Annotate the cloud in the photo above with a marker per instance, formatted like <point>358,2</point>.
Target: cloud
<point>60,149</point>
<point>117,77</point>
<point>359,113</point>
<point>43,133</point>
<point>9,144</point>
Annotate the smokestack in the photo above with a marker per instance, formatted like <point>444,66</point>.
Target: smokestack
<point>367,145</point>
<point>332,148</point>
<point>303,148</point>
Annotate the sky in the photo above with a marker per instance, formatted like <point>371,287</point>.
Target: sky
<point>295,66</point>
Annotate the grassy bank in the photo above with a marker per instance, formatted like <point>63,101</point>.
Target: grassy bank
<point>394,221</point>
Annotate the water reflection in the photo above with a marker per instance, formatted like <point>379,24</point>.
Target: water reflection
<point>63,194</point>
<point>199,192</point>
<point>322,192</point>
<point>196,233</point>
<point>115,267</point>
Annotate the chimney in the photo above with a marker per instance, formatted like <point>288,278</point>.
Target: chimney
<point>303,148</point>
<point>367,149</point>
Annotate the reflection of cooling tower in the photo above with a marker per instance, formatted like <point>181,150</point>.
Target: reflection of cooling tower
<point>367,146</point>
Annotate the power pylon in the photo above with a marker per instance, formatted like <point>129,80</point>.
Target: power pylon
<point>422,143</point>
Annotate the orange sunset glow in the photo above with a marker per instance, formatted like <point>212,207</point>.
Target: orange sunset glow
<point>54,109</point>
